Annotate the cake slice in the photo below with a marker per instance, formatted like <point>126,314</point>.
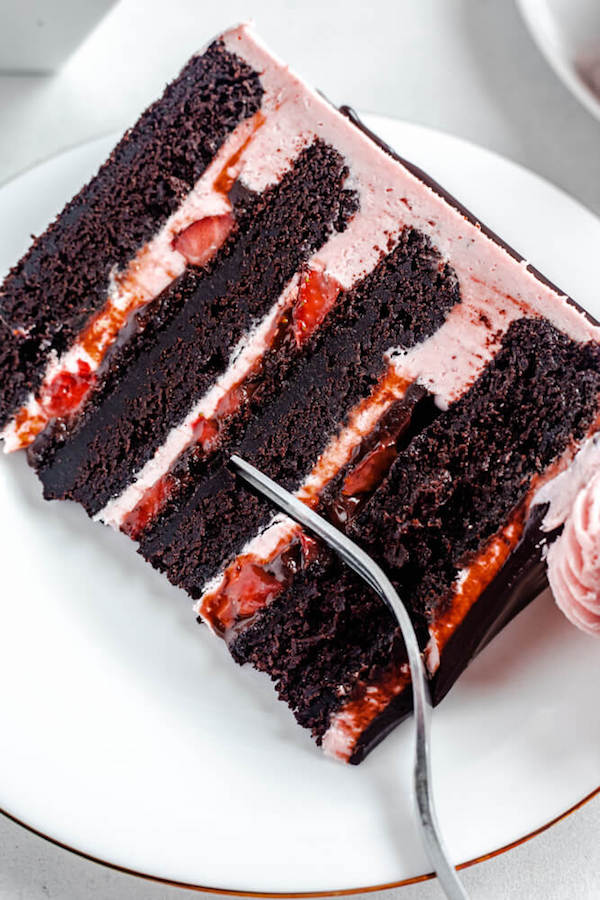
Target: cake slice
<point>252,271</point>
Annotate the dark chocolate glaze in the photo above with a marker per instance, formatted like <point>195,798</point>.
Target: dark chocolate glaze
<point>395,712</point>
<point>520,580</point>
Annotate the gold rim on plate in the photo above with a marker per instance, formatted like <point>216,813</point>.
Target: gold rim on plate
<point>343,892</point>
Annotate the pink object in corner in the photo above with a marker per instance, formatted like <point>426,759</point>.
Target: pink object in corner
<point>574,561</point>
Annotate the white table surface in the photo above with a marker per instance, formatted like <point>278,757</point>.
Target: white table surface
<point>464,66</point>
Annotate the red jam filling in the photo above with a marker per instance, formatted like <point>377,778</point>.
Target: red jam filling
<point>370,699</point>
<point>148,507</point>
<point>317,295</point>
<point>247,587</point>
<point>374,459</point>
<point>228,175</point>
<point>481,571</point>
<point>207,429</point>
<point>372,469</point>
<point>66,390</point>
<point>309,547</point>
<point>28,426</point>
<point>200,241</point>
<point>249,583</point>
<point>206,432</point>
<point>103,329</point>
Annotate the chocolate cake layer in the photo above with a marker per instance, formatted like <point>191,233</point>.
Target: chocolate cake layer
<point>63,279</point>
<point>300,406</point>
<point>450,489</point>
<point>185,338</point>
<point>316,640</point>
<point>459,479</point>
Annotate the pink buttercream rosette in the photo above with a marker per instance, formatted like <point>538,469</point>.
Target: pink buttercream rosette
<point>574,561</point>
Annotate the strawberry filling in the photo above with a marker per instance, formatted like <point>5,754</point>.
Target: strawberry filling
<point>149,506</point>
<point>66,390</point>
<point>248,587</point>
<point>370,471</point>
<point>317,295</point>
<point>205,431</point>
<point>200,241</point>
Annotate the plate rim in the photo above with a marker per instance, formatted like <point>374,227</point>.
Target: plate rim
<point>331,892</point>
<point>283,895</point>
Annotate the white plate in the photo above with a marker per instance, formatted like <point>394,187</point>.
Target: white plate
<point>568,34</point>
<point>128,734</point>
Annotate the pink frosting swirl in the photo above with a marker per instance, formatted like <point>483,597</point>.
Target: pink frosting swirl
<point>574,561</point>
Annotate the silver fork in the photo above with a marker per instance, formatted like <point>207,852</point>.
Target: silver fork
<point>376,578</point>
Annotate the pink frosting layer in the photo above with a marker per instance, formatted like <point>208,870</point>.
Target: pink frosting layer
<point>391,198</point>
<point>574,561</point>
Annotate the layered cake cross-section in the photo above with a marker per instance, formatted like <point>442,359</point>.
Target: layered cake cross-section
<point>253,272</point>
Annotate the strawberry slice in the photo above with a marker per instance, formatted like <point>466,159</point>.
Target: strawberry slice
<point>200,241</point>
<point>372,469</point>
<point>253,588</point>
<point>310,549</point>
<point>318,292</point>
<point>148,507</point>
<point>67,390</point>
<point>205,431</point>
<point>247,588</point>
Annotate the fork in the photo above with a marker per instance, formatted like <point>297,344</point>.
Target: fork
<point>376,578</point>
